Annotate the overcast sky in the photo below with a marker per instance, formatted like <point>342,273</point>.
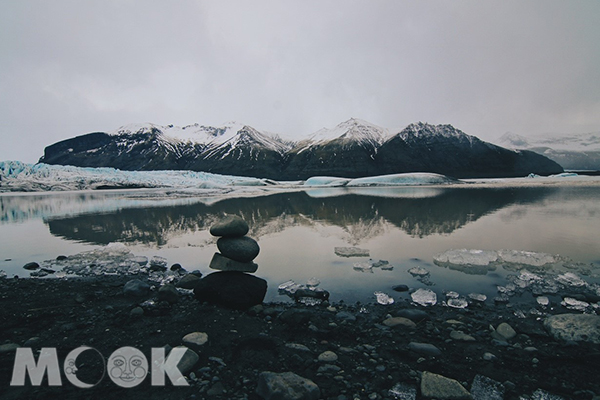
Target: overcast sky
<point>292,67</point>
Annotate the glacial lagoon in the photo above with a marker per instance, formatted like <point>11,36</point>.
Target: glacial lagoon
<point>299,231</point>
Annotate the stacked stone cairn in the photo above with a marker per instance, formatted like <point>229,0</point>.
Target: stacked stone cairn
<point>233,286</point>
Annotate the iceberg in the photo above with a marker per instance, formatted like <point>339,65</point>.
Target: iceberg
<point>18,176</point>
<point>407,179</point>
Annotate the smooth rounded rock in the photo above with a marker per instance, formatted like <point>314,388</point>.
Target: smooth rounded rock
<point>189,281</point>
<point>222,263</point>
<point>574,327</point>
<point>168,293</point>
<point>231,289</point>
<point>328,356</point>
<point>242,249</point>
<point>399,321</point>
<point>426,349</point>
<point>136,287</point>
<point>230,226</point>
<point>195,338</point>
<point>506,331</point>
<point>31,266</point>
<point>439,387</point>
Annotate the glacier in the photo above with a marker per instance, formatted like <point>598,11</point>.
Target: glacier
<point>18,176</point>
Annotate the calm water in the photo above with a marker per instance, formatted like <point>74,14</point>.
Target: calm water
<point>298,231</point>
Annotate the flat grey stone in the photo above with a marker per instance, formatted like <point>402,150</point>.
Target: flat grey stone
<point>189,359</point>
<point>442,388</point>
<point>286,386</point>
<point>399,321</point>
<point>168,293</point>
<point>424,349</point>
<point>8,347</point>
<point>222,263</point>
<point>574,327</point>
<point>328,356</point>
<point>189,281</point>
<point>195,338</point>
<point>460,335</point>
<point>506,331</point>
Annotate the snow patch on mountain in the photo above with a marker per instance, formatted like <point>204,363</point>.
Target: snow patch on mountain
<point>353,130</point>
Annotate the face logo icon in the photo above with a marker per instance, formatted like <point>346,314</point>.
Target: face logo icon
<point>127,367</point>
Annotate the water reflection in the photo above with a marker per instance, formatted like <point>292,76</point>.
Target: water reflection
<point>361,216</point>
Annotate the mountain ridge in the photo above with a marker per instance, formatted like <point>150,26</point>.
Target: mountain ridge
<point>354,148</point>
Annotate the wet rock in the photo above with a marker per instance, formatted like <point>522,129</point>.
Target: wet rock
<point>136,288</point>
<point>413,315</point>
<point>222,263</point>
<point>230,226</point>
<point>484,388</point>
<point>137,312</point>
<point>8,347</point>
<point>31,266</point>
<point>216,390</point>
<point>242,249</point>
<point>399,321</point>
<point>574,327</point>
<point>286,385</point>
<point>297,346</point>
<point>439,387</point>
<point>463,337</point>
<point>351,252</point>
<point>189,359</point>
<point>231,289</point>
<point>189,281</point>
<point>426,349</point>
<point>504,332</point>
<point>195,339</point>
<point>400,288</point>
<point>168,293</point>
<point>345,316</point>
<point>327,356</point>
<point>488,357</point>
<point>543,395</point>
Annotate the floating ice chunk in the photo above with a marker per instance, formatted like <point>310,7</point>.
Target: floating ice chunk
<point>351,252</point>
<point>363,267</point>
<point>380,264</point>
<point>290,287</point>
<point>424,297</point>
<point>543,301</point>
<point>418,178</point>
<point>484,388</point>
<point>452,295</point>
<point>403,391</point>
<point>383,298</point>
<point>2,274</point>
<point>418,271</point>
<point>313,282</point>
<point>570,279</point>
<point>543,395</point>
<point>479,297</point>
<point>467,257</point>
<point>285,285</point>
<point>458,303</point>
<point>574,304</point>
<point>526,257</point>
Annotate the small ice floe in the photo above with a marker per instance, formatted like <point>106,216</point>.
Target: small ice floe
<point>424,297</point>
<point>531,258</point>
<point>478,297</point>
<point>383,298</point>
<point>403,391</point>
<point>2,274</point>
<point>363,267</point>
<point>466,257</point>
<point>313,282</point>
<point>351,252</point>
<point>304,294</point>
<point>570,279</point>
<point>459,302</point>
<point>418,271</point>
<point>288,287</point>
<point>542,301</point>
<point>452,295</point>
<point>574,304</point>
<point>383,264</point>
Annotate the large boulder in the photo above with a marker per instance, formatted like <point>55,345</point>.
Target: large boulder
<point>231,289</point>
<point>230,226</point>
<point>243,249</point>
<point>574,327</point>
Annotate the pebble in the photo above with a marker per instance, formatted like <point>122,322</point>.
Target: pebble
<point>137,288</point>
<point>489,357</point>
<point>286,385</point>
<point>400,288</point>
<point>8,347</point>
<point>424,349</point>
<point>189,281</point>
<point>31,266</point>
<point>399,321</point>
<point>195,338</point>
<point>327,356</point>
<point>460,335</point>
<point>137,312</point>
<point>505,331</point>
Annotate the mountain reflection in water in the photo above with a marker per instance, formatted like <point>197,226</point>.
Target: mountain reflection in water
<point>362,214</point>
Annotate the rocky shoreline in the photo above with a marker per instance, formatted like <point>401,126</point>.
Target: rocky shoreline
<point>347,351</point>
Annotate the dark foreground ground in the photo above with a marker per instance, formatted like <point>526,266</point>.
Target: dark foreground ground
<point>372,358</point>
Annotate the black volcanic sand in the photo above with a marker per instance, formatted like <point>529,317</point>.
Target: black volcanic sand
<point>70,313</point>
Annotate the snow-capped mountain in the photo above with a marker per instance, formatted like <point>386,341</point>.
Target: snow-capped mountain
<point>571,151</point>
<point>354,148</point>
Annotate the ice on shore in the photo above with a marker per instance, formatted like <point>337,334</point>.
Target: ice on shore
<point>475,261</point>
<point>383,298</point>
<point>424,297</point>
<point>408,179</point>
